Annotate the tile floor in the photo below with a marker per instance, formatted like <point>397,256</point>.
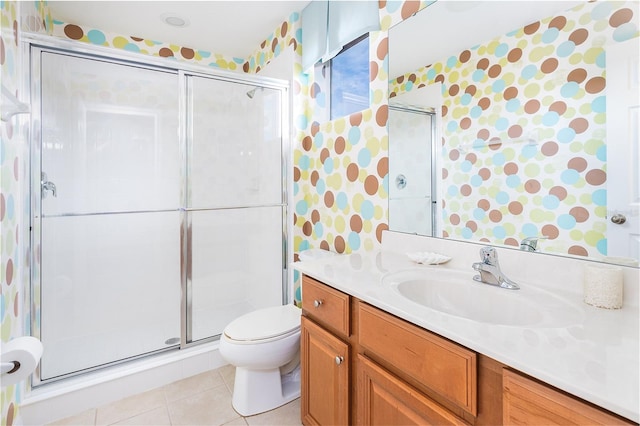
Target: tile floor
<point>204,399</point>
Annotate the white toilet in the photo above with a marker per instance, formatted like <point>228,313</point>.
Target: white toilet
<point>264,346</point>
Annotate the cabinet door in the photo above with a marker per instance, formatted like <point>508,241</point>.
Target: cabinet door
<point>325,377</point>
<point>529,402</point>
<point>384,399</point>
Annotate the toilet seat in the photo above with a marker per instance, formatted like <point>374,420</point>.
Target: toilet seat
<point>264,325</point>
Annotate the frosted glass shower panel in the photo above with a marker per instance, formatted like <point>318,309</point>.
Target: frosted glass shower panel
<point>234,266</point>
<point>110,288</point>
<point>109,140</point>
<point>235,144</point>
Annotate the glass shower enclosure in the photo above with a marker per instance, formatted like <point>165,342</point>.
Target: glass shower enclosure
<point>158,206</point>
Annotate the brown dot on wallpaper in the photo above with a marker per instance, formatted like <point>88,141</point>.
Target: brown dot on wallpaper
<point>165,52</point>
<point>246,67</point>
<point>550,231</point>
<point>392,95</point>
<point>579,36</point>
<point>454,89</point>
<point>484,204</point>
<point>471,89</point>
<point>284,28</point>
<point>549,148</point>
<point>263,44</point>
<point>355,119</point>
<point>445,173</point>
<point>16,306</point>
<point>445,110</point>
<point>595,85</point>
<point>532,28</point>
<point>465,123</point>
<point>578,251</point>
<point>383,167</point>
<point>577,163</point>
<point>471,157</point>
<point>315,128</point>
<point>381,115</point>
<point>494,71</point>
<point>515,207</point>
<point>412,78</point>
<point>339,145</point>
<point>596,177</point>
<point>445,234</point>
<point>324,245</point>
<point>578,75</point>
<point>510,92</point>
<point>510,168</point>
<point>511,242</point>
<point>328,199</point>
<point>294,43</point>
<point>483,134</point>
<point>444,204</point>
<point>9,272</point>
<point>307,228</point>
<point>454,154</point>
<point>2,51</point>
<point>373,71</point>
<point>514,55</point>
<point>464,56</point>
<point>258,68</point>
<point>274,44</point>
<point>472,225</point>
<point>549,65</point>
<point>3,206</point>
<point>559,106</point>
<point>353,171</point>
<point>371,184</point>
<point>484,173</point>
<point>339,244</point>
<point>315,176</point>
<point>580,214</point>
<point>465,190</point>
<point>10,414</point>
<point>454,219</point>
<point>355,223</point>
<point>409,8</point>
<point>579,125</point>
<point>532,106</point>
<point>74,32</point>
<point>515,131</point>
<point>379,229</point>
<point>315,216</point>
<point>558,22</point>
<point>439,78</point>
<point>495,216</point>
<point>187,53</point>
<point>620,17</point>
<point>484,103</point>
<point>324,154</point>
<point>400,79</point>
<point>315,90</point>
<point>383,48</point>
<point>559,192</point>
<point>495,144</point>
<point>532,186</point>
<point>482,64</point>
<point>307,143</point>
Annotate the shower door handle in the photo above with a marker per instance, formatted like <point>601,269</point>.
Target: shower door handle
<point>47,185</point>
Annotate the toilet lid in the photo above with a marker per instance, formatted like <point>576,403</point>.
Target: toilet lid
<point>264,323</point>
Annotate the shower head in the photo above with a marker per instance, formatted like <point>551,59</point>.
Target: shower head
<point>251,93</point>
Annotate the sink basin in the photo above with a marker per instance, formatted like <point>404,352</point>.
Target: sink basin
<point>455,293</point>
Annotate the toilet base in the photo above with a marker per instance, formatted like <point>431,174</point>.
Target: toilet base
<point>264,390</point>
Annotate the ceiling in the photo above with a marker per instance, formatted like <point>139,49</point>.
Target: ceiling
<point>231,28</point>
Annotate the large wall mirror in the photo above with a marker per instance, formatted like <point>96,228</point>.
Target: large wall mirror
<point>516,123</point>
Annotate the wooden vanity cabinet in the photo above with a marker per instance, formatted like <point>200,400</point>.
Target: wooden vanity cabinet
<point>529,402</point>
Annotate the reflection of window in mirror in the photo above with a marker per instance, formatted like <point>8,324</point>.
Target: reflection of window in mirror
<point>345,78</point>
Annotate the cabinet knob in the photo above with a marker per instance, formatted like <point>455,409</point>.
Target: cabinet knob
<point>317,303</point>
<point>618,219</point>
<point>339,360</point>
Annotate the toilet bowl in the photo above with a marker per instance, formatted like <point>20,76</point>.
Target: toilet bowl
<point>264,346</point>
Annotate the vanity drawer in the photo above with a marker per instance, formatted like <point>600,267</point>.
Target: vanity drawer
<point>444,367</point>
<point>526,401</point>
<point>326,305</point>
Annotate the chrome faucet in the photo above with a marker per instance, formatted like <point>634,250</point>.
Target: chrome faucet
<point>490,272</point>
<point>531,243</point>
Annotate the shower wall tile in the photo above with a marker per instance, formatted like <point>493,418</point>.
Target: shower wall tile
<point>506,122</point>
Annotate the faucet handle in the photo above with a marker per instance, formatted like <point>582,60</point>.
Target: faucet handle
<point>489,255</point>
<point>531,243</point>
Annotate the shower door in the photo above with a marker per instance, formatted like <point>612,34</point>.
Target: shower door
<point>107,197</point>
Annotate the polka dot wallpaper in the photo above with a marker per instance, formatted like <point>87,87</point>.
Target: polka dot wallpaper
<point>524,138</point>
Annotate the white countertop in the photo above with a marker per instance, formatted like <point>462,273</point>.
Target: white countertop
<point>595,358</point>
